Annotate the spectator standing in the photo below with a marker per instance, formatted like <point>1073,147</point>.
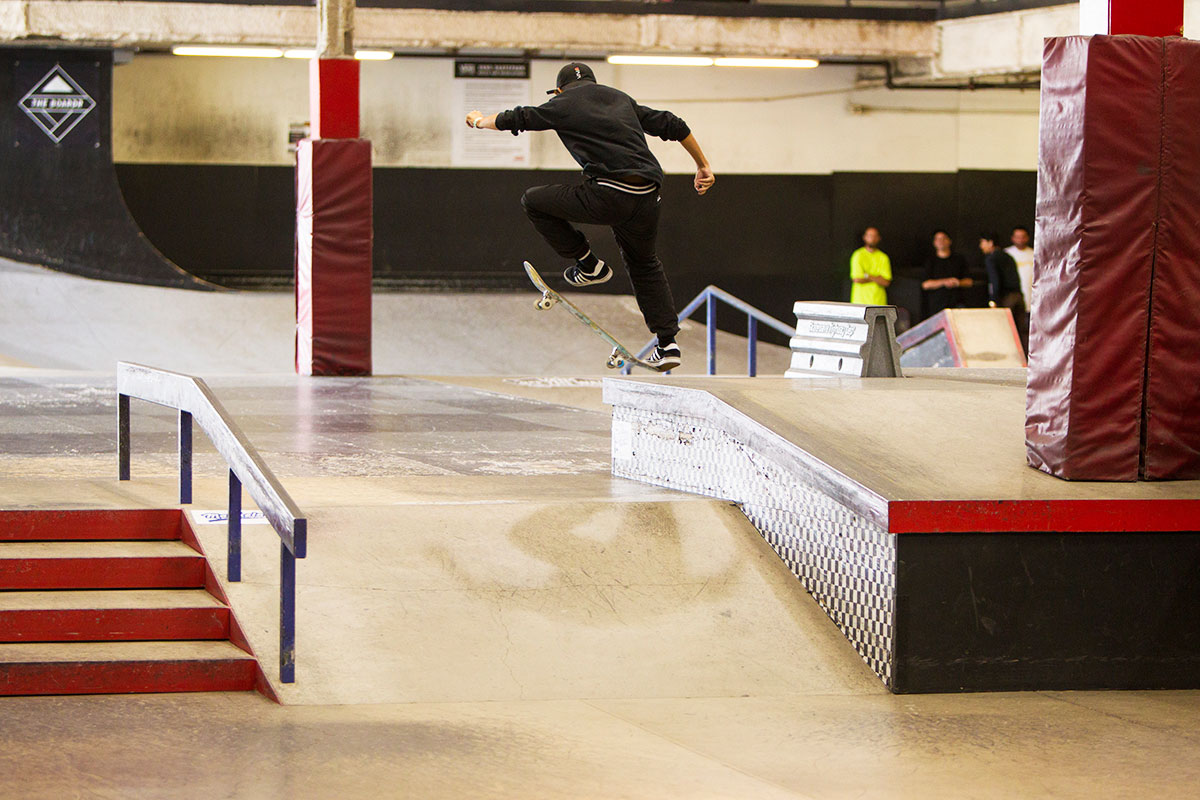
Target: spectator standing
<point>945,275</point>
<point>1022,254</point>
<point>870,270</point>
<point>1004,284</point>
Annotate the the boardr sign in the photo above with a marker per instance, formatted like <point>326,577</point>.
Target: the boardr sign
<point>57,104</point>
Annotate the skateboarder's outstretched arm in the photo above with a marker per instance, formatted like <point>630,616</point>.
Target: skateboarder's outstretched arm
<point>704,174</point>
<point>671,128</point>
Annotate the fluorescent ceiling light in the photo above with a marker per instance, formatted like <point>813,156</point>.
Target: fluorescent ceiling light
<point>793,63</point>
<point>361,55</point>
<point>229,52</point>
<point>663,61</point>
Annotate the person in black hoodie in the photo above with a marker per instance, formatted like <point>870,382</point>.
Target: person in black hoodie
<point>605,130</point>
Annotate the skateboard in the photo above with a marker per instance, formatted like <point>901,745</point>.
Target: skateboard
<point>621,355</point>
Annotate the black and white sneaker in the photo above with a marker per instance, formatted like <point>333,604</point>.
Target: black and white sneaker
<point>577,276</point>
<point>665,357</point>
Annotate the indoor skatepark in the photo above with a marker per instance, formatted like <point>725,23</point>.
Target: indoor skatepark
<point>517,573</point>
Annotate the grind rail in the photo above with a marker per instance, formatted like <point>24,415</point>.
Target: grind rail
<point>709,297</point>
<point>195,402</point>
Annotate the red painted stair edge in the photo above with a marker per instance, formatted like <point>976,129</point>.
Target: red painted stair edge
<point>114,624</point>
<point>138,524</point>
<point>158,572</point>
<point>126,677</point>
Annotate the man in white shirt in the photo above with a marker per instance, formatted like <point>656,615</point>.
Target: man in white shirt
<point>1022,253</point>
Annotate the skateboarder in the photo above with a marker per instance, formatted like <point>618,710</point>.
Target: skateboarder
<point>605,130</point>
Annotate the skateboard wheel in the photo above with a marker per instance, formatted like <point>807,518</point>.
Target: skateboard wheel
<point>545,304</point>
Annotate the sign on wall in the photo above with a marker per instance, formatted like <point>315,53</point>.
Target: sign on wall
<point>55,102</point>
<point>489,87</point>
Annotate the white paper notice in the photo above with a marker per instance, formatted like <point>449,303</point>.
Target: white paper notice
<point>221,517</point>
<point>487,148</point>
<point>622,440</point>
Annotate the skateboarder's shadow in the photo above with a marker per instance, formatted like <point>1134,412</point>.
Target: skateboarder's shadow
<point>596,564</point>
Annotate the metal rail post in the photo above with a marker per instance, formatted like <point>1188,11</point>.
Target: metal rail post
<point>185,457</point>
<point>287,614</point>
<point>751,346</point>
<point>712,334</point>
<point>234,551</point>
<point>122,437</point>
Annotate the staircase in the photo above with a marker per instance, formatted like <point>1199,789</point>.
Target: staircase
<point>98,602</point>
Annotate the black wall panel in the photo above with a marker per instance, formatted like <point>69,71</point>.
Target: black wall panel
<point>770,239</point>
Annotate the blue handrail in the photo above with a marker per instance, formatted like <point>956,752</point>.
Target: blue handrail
<point>709,297</point>
<point>196,404</point>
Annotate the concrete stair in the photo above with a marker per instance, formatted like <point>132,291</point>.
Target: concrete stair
<point>113,602</point>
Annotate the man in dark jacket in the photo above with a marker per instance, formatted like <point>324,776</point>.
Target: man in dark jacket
<point>1004,283</point>
<point>605,130</point>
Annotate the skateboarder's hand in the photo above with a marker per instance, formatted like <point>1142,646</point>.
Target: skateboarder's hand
<point>704,179</point>
<point>472,117</point>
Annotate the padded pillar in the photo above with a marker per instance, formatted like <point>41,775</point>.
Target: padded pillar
<point>1172,405</point>
<point>1114,378</point>
<point>333,257</point>
<point>1096,208</point>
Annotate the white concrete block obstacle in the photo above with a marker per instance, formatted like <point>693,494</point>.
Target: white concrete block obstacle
<point>844,339</point>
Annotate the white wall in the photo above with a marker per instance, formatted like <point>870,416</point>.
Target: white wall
<point>170,109</point>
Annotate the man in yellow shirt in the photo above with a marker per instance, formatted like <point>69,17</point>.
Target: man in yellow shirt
<point>871,271</point>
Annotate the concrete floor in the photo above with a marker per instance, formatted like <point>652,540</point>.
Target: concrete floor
<point>486,612</point>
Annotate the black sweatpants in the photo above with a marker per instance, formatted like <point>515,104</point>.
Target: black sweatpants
<point>634,222</point>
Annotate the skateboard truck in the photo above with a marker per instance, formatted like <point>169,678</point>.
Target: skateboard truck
<point>546,302</point>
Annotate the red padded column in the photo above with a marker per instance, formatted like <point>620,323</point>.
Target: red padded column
<point>1097,207</point>
<point>1172,406</point>
<point>333,257</point>
<point>1137,17</point>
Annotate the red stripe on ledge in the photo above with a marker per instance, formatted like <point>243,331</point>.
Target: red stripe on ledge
<point>1068,516</point>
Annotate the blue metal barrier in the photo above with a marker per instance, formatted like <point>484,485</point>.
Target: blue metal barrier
<point>709,297</point>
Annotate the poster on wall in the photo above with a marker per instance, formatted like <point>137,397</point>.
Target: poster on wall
<point>490,87</point>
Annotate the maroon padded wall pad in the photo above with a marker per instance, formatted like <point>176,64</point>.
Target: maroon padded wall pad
<point>333,257</point>
<point>1171,436</point>
<point>1098,170</point>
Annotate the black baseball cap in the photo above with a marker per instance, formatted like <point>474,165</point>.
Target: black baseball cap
<point>572,72</point>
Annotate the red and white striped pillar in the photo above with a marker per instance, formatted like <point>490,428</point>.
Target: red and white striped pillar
<point>334,211</point>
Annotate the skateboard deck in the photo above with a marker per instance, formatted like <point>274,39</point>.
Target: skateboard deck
<point>621,355</point>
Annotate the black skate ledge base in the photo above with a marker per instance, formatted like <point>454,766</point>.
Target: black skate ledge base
<point>1019,611</point>
<point>940,587</point>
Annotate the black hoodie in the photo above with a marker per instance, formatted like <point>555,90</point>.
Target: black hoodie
<point>602,128</point>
